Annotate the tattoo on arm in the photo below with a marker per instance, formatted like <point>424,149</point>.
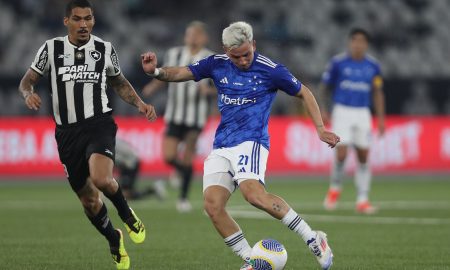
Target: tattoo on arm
<point>124,89</point>
<point>27,83</point>
<point>175,74</point>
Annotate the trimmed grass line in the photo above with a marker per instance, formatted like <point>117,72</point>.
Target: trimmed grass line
<point>350,205</point>
<point>348,219</point>
<point>344,205</point>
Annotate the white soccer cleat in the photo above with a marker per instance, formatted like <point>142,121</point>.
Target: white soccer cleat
<point>184,206</point>
<point>320,248</point>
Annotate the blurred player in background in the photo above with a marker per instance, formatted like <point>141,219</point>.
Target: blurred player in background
<point>79,66</point>
<point>354,80</point>
<point>128,166</point>
<point>247,83</point>
<point>187,108</point>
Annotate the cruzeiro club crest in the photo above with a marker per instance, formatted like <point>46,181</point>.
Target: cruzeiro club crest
<point>95,55</point>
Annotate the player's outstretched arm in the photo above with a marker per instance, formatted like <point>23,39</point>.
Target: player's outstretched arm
<point>26,88</point>
<point>379,107</point>
<point>167,74</point>
<point>126,92</point>
<point>324,97</point>
<point>313,109</point>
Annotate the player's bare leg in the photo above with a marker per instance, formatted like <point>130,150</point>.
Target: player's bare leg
<point>215,200</point>
<point>255,193</point>
<point>101,173</point>
<point>336,179</point>
<point>362,182</point>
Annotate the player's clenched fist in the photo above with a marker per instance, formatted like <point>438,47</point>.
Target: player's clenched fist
<point>149,62</point>
<point>33,101</point>
<point>148,111</point>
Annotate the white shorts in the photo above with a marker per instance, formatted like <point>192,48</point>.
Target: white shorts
<point>245,161</point>
<point>353,125</point>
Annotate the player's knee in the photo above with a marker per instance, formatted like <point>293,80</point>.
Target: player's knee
<point>212,207</point>
<point>106,184</point>
<point>341,156</point>
<point>91,203</point>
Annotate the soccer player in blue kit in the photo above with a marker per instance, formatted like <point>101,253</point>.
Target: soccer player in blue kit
<point>247,83</point>
<point>355,80</point>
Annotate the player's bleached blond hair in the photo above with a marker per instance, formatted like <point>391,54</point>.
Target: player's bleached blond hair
<point>237,34</point>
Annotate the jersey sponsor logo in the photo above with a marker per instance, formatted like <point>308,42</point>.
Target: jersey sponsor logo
<point>62,56</point>
<point>78,73</point>
<point>95,55</point>
<point>355,86</point>
<point>236,101</point>
<point>43,58</point>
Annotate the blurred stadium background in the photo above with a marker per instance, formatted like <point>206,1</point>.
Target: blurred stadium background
<point>412,162</point>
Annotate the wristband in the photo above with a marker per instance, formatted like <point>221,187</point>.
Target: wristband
<point>154,74</point>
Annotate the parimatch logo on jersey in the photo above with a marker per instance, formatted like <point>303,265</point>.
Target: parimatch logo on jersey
<point>78,73</point>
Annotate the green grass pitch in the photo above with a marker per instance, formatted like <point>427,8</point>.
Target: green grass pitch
<point>42,226</point>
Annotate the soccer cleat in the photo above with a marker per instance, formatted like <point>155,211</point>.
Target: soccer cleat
<point>320,248</point>
<point>135,228</point>
<point>119,254</point>
<point>331,199</point>
<point>248,265</point>
<point>366,208</point>
<point>184,206</point>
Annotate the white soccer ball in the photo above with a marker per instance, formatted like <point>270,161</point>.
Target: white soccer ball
<point>269,254</point>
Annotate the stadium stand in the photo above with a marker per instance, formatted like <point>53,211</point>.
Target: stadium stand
<point>409,38</point>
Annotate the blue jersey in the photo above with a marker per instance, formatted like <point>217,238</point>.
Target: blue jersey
<point>245,97</point>
<point>352,80</point>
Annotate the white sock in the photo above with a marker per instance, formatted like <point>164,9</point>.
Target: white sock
<point>362,181</point>
<point>337,174</point>
<point>298,225</point>
<point>239,245</point>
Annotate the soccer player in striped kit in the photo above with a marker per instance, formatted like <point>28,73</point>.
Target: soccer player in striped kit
<point>354,80</point>
<point>80,66</point>
<point>247,83</point>
<point>187,109</point>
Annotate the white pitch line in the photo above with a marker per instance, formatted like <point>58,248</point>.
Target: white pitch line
<point>384,205</point>
<point>349,219</point>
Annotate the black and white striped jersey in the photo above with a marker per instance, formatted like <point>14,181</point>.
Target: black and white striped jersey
<point>77,77</point>
<point>186,105</point>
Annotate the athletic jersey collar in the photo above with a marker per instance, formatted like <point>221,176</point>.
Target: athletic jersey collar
<point>349,57</point>
<point>89,43</point>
